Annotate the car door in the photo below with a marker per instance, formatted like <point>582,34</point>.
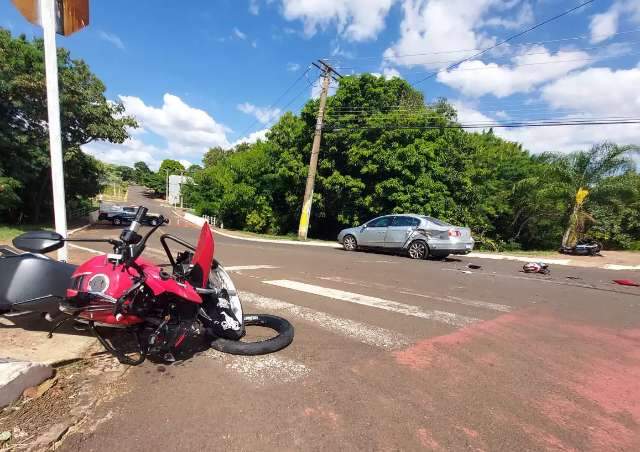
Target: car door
<point>373,233</point>
<point>400,229</point>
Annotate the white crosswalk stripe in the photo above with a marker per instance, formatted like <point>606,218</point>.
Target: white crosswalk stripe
<point>367,334</point>
<point>375,302</point>
<point>444,299</point>
<point>239,268</point>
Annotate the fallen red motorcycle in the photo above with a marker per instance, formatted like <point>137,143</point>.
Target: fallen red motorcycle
<point>122,294</point>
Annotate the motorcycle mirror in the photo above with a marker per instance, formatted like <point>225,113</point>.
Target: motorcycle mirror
<point>39,241</point>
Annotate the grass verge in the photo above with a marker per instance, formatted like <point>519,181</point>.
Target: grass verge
<point>8,232</point>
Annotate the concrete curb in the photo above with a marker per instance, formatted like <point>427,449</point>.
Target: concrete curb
<point>200,221</point>
<point>16,376</point>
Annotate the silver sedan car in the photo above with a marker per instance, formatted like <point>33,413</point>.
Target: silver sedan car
<point>417,235</point>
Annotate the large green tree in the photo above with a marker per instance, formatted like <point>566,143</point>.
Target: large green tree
<point>384,151</point>
<point>86,115</point>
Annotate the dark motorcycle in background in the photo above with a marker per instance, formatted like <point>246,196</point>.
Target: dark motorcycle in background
<point>125,294</point>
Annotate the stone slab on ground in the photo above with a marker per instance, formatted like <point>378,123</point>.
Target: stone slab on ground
<point>24,337</point>
<point>16,376</point>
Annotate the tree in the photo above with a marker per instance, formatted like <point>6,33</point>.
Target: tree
<point>86,115</point>
<point>158,181</point>
<point>567,187</point>
<point>213,156</point>
<point>126,173</point>
<point>142,173</point>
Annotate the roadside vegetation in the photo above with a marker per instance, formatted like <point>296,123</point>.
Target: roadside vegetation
<point>401,156</point>
<point>25,181</point>
<point>425,164</point>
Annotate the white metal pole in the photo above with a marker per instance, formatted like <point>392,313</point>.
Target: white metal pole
<point>48,21</point>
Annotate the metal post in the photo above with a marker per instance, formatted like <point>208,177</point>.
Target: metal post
<point>303,229</point>
<point>48,20</point>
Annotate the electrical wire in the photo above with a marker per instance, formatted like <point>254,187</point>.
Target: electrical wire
<point>504,41</point>
<point>274,103</point>
<point>530,43</point>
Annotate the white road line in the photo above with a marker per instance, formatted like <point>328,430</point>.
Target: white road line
<point>367,334</point>
<point>264,369</point>
<point>238,268</point>
<point>83,248</point>
<point>380,303</point>
<point>445,299</point>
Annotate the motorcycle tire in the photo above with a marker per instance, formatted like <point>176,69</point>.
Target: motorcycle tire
<point>278,324</point>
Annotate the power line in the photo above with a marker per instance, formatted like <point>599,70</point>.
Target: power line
<point>504,57</point>
<point>274,103</point>
<point>488,125</point>
<point>510,38</point>
<point>531,43</point>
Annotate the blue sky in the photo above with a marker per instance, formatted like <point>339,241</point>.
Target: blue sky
<point>201,73</point>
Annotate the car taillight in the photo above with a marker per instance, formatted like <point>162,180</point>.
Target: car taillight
<point>454,233</point>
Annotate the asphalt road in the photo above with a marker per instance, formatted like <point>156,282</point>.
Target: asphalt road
<point>394,354</point>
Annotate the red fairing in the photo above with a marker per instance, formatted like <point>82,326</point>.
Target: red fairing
<point>159,286</point>
<point>203,257</point>
<point>120,279</point>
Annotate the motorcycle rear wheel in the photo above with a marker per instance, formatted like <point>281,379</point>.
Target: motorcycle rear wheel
<point>283,339</point>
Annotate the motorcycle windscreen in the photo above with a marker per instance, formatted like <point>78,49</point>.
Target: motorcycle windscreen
<point>203,257</point>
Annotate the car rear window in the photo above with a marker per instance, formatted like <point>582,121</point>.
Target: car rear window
<point>436,221</point>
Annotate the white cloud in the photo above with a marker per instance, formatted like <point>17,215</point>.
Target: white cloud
<point>432,26</point>
<point>239,34</point>
<point>293,67</point>
<point>390,72</point>
<point>111,38</point>
<point>601,91</point>
<point>262,114</point>
<point>131,151</point>
<point>187,131</point>
<point>524,17</point>
<point>592,93</point>
<point>356,20</point>
<point>254,7</point>
<point>603,26</point>
<point>531,68</point>
<point>251,138</point>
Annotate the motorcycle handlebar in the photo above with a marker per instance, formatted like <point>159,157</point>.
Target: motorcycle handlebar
<point>140,214</point>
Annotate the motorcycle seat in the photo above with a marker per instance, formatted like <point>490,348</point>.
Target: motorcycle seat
<point>33,282</point>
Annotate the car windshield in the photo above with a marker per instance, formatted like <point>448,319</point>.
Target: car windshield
<point>436,221</point>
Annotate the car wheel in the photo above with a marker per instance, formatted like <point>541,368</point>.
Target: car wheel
<point>418,250</point>
<point>116,221</point>
<point>350,243</point>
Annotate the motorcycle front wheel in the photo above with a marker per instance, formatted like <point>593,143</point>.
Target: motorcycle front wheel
<point>239,347</point>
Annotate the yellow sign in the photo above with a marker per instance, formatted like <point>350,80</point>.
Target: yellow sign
<point>581,196</point>
<point>71,15</point>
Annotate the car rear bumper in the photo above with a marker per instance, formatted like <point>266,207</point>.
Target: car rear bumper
<point>451,247</point>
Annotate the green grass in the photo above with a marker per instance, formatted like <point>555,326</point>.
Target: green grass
<point>8,232</point>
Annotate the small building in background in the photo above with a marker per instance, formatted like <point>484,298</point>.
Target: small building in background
<point>174,196</point>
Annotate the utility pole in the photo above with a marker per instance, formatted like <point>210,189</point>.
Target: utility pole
<point>305,215</point>
<point>63,17</point>
<point>166,186</point>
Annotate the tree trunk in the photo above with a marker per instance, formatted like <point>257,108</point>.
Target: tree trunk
<point>570,237</point>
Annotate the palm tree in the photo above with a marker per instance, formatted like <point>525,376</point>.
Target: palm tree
<point>585,177</point>
<point>562,187</point>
